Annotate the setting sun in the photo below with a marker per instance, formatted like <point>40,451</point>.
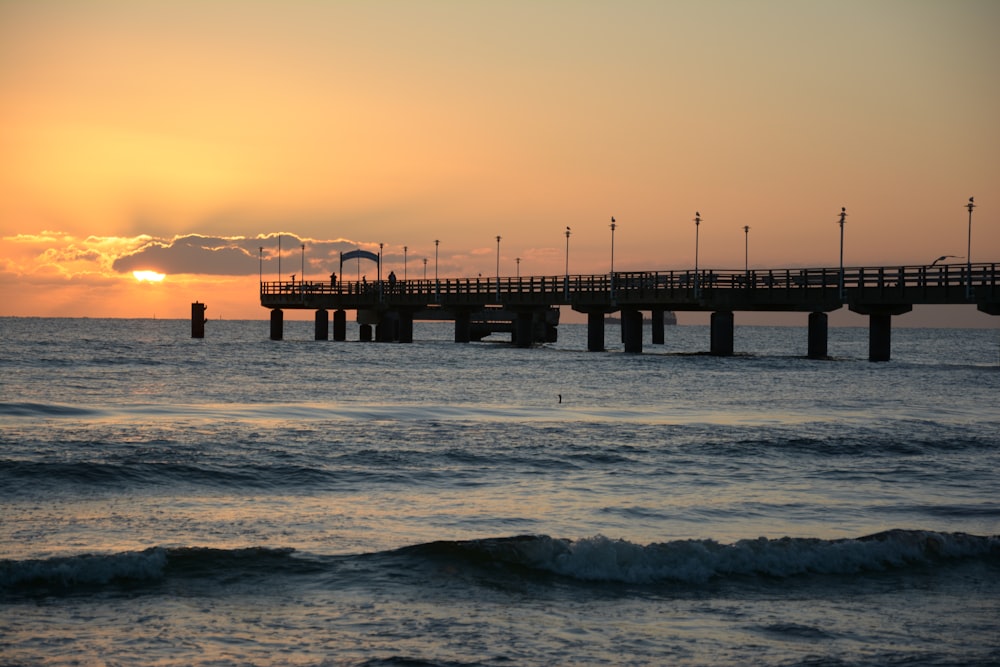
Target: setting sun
<point>148,276</point>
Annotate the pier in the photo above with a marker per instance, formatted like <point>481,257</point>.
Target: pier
<point>528,307</point>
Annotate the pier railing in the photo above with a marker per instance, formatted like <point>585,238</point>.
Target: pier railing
<point>756,288</point>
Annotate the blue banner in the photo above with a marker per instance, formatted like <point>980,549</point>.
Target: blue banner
<point>363,254</point>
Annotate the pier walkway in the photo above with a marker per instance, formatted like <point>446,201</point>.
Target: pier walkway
<point>528,306</point>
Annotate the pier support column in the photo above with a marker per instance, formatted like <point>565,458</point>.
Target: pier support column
<point>405,326</point>
<point>818,326</point>
<point>198,320</point>
<point>632,331</point>
<point>340,325</point>
<point>388,327</point>
<point>722,333</point>
<point>595,330</point>
<point>879,337</point>
<point>463,326</point>
<point>322,325</point>
<point>524,328</point>
<point>365,333</point>
<point>880,328</point>
<point>657,323</point>
<point>277,324</point>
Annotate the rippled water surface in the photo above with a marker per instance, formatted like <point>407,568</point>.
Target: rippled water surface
<point>238,500</point>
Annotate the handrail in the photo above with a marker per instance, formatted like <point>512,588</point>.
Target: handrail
<point>627,282</point>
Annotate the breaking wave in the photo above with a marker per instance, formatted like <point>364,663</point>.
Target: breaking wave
<point>594,559</point>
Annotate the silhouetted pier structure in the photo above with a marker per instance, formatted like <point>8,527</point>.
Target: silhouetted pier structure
<point>528,306</point>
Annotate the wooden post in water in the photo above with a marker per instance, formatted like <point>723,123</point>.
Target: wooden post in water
<point>198,320</point>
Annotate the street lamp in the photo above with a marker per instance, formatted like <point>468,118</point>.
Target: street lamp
<point>303,273</point>
<point>380,245</point>
<point>611,291</point>
<point>498,268</point>
<point>404,262</point>
<point>518,260</point>
<point>746,250</point>
<point>697,225</point>
<point>260,264</point>
<point>566,286</point>
<point>425,268</point>
<point>843,214</point>
<point>968,252</point>
<point>279,258</point>
<point>437,285</point>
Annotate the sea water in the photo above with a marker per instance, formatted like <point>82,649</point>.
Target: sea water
<point>237,500</point>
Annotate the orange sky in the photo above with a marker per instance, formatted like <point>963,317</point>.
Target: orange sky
<point>182,136</point>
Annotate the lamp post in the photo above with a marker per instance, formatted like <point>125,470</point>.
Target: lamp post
<point>843,214</point>
<point>260,265</point>
<point>425,268</point>
<point>498,268</point>
<point>746,250</point>
<point>566,285</point>
<point>518,260</point>
<point>404,262</point>
<point>279,258</point>
<point>379,276</point>
<point>697,225</point>
<point>968,252</point>
<point>303,273</point>
<point>437,285</point>
<point>611,290</point>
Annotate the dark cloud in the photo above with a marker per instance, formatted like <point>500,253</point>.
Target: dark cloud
<point>234,256</point>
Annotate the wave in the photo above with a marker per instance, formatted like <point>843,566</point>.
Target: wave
<point>600,559</point>
<point>28,477</point>
<point>594,559</point>
<point>89,571</point>
<point>27,409</point>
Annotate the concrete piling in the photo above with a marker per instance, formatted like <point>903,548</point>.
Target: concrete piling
<point>277,324</point>
<point>722,333</point>
<point>322,325</point>
<point>818,329</point>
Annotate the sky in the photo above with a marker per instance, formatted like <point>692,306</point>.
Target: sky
<point>183,138</point>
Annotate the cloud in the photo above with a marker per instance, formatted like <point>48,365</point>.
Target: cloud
<point>189,254</point>
<point>75,258</point>
<point>233,255</point>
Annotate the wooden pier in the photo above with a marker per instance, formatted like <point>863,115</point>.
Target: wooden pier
<point>528,306</point>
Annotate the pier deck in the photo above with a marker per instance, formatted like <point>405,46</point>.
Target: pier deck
<point>879,292</point>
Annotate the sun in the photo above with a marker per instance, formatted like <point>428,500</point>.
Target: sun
<point>148,276</point>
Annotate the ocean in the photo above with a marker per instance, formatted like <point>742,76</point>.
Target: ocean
<point>234,500</point>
